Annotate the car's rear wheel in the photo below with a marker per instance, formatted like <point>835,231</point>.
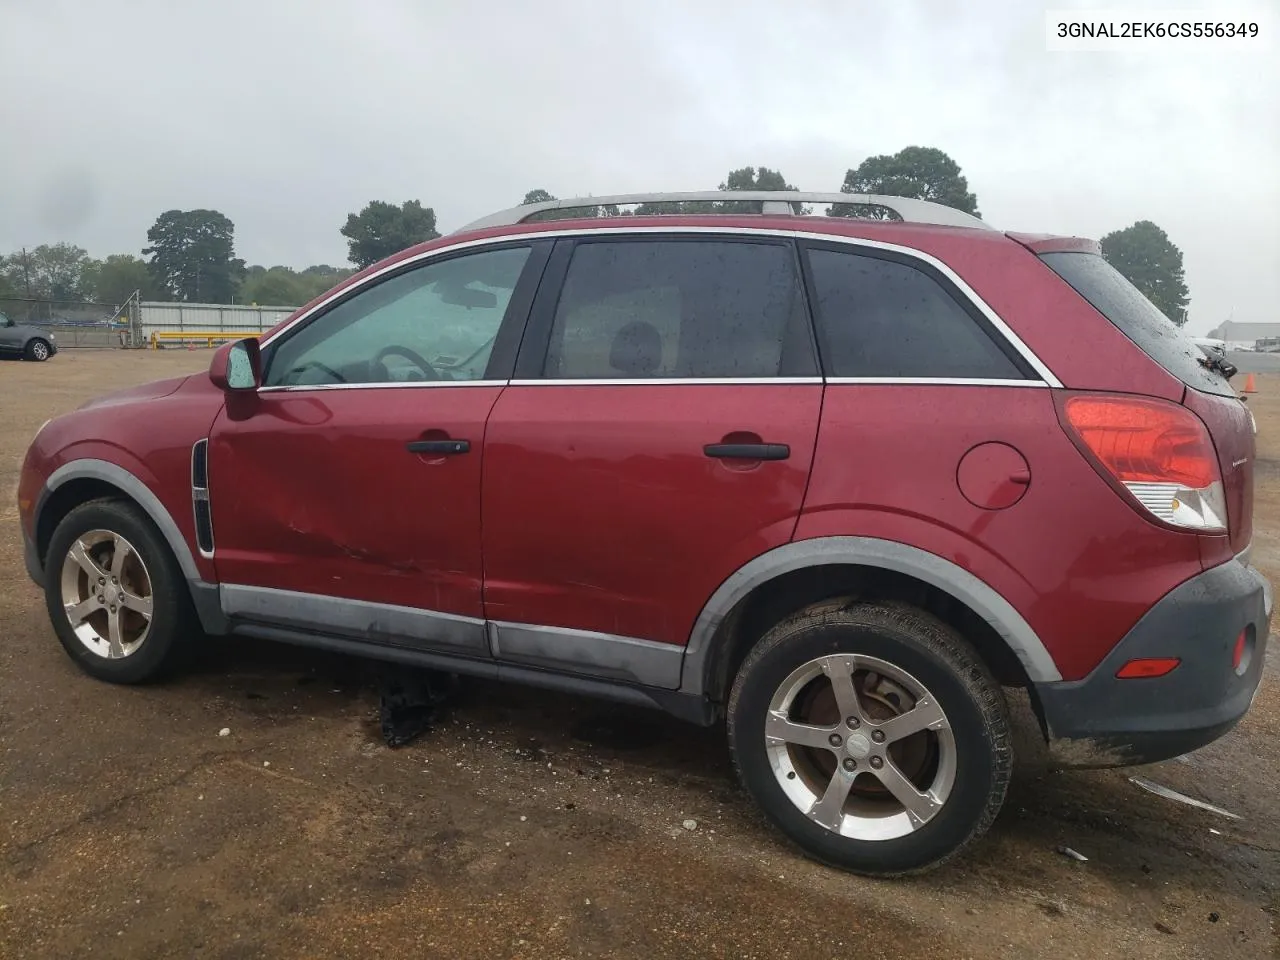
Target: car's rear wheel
<point>37,350</point>
<point>872,735</point>
<point>115,594</point>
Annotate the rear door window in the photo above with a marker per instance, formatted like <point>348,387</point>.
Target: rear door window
<point>1137,318</point>
<point>882,318</point>
<point>680,309</point>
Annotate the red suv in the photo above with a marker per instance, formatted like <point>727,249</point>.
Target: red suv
<point>838,481</point>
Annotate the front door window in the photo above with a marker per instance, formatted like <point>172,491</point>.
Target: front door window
<point>434,323</point>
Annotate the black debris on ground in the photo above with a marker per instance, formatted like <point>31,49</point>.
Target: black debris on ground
<point>411,700</point>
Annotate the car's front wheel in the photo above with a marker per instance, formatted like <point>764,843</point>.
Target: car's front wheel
<point>872,735</point>
<point>37,350</point>
<point>115,594</point>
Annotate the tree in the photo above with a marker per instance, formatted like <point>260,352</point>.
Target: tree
<point>59,271</point>
<point>744,178</point>
<point>925,173</point>
<point>381,229</point>
<point>748,178</point>
<point>283,286</point>
<point>1152,263</point>
<point>8,289</point>
<point>319,279</point>
<point>588,212</point>
<point>11,285</point>
<point>193,255</point>
<point>277,287</point>
<point>119,276</point>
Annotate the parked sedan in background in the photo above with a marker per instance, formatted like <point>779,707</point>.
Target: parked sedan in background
<point>28,342</point>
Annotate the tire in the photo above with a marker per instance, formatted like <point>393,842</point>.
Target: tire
<point>37,350</point>
<point>141,649</point>
<point>901,657</point>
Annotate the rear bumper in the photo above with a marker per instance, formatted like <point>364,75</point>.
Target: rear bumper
<point>1103,721</point>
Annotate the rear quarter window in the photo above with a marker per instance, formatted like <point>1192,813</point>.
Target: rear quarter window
<point>1137,318</point>
<point>879,318</point>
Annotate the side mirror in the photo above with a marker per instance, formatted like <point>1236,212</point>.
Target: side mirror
<point>237,367</point>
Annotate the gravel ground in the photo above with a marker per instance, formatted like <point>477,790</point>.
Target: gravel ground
<point>530,824</point>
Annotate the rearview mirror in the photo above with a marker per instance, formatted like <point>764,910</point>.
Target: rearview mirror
<point>237,366</point>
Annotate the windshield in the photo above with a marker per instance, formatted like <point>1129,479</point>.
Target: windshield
<point>1138,318</point>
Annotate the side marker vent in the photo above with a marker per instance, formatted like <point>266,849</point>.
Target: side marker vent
<point>200,497</point>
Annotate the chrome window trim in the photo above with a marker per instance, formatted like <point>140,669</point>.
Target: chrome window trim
<point>938,381</point>
<point>1046,375</point>
<point>667,382</point>
<point>408,385</point>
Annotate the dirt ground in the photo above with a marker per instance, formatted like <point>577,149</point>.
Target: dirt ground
<point>530,824</point>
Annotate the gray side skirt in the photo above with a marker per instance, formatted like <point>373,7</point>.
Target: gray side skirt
<point>580,652</point>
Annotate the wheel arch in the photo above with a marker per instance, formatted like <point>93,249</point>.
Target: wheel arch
<point>79,481</point>
<point>82,480</point>
<point>805,572</point>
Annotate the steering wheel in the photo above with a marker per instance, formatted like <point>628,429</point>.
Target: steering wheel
<point>416,359</point>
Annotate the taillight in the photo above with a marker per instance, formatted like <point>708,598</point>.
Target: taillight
<point>1161,453</point>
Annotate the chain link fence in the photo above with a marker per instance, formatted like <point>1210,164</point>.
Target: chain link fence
<point>135,324</point>
<point>77,323</point>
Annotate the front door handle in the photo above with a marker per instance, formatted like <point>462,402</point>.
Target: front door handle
<point>444,448</point>
<point>747,451</point>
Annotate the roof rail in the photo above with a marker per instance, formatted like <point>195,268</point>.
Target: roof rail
<point>773,202</point>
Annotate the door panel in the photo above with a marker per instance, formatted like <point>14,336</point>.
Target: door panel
<point>317,492</point>
<point>602,511</point>
<point>355,472</point>
<point>659,436</point>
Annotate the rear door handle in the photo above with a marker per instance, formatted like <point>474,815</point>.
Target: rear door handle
<point>446,448</point>
<point>747,451</point>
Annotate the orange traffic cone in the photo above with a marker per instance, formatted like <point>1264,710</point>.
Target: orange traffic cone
<point>1249,386</point>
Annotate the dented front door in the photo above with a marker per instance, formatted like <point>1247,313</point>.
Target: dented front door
<point>321,493</point>
<point>345,493</point>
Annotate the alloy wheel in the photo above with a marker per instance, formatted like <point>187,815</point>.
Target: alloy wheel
<point>106,593</point>
<point>860,746</point>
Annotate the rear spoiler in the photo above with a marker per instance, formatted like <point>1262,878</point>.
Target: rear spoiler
<point>1039,243</point>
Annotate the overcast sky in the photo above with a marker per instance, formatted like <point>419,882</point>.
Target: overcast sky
<point>287,115</point>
